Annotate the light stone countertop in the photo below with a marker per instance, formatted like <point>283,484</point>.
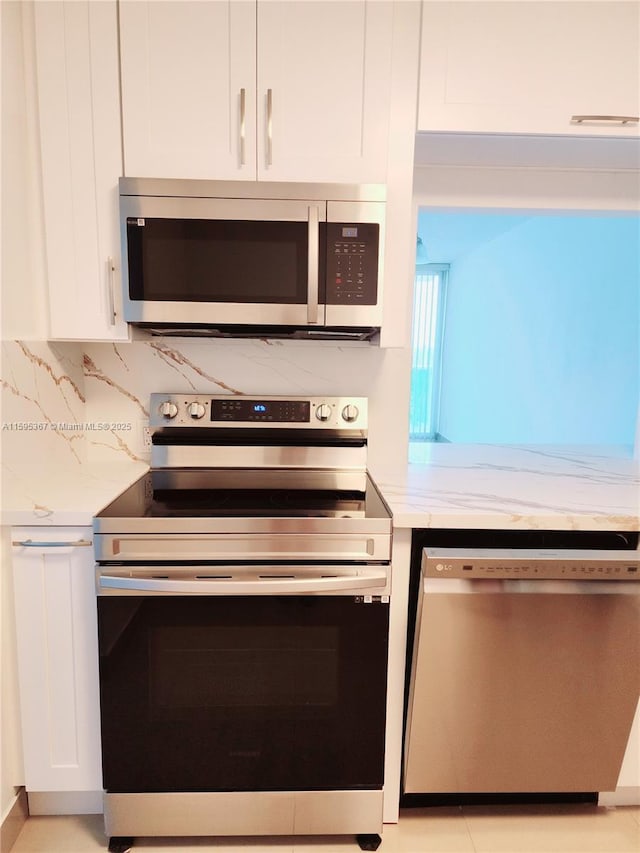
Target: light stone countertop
<point>62,495</point>
<point>455,486</point>
<point>517,487</point>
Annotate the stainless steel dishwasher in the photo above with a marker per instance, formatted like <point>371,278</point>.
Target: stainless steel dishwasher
<point>525,672</point>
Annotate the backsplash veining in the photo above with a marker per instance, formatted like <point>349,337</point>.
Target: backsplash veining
<point>43,413</point>
<point>81,403</point>
<point>73,413</point>
<point>43,402</point>
<point>119,379</point>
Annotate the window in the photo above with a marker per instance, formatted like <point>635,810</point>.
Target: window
<point>426,346</point>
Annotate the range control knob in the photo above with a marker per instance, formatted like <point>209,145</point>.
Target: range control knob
<point>195,410</point>
<point>323,412</point>
<point>168,409</point>
<point>350,413</point>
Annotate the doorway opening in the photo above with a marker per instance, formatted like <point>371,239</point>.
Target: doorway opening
<point>539,330</point>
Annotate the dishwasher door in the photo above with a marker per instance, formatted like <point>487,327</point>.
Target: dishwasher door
<point>522,685</point>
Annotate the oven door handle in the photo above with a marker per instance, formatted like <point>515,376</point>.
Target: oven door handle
<point>374,579</point>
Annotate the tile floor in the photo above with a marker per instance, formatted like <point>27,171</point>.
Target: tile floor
<point>470,829</point>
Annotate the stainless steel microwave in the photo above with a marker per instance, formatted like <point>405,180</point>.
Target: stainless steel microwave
<point>252,259</point>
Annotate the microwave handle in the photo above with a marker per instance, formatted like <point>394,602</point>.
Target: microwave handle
<point>313,262</point>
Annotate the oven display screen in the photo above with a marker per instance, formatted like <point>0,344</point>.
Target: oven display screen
<point>274,411</point>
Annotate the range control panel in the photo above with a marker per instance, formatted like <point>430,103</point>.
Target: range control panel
<point>230,411</point>
<point>261,410</point>
<point>508,564</point>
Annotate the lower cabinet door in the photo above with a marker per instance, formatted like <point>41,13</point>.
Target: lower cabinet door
<point>57,658</point>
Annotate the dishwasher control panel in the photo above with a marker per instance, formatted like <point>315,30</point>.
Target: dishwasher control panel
<point>510,564</point>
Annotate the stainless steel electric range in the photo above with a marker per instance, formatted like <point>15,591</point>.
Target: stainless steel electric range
<point>243,611</point>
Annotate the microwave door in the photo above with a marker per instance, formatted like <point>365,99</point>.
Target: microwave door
<point>206,261</point>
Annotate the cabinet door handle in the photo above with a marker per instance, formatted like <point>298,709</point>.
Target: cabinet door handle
<point>30,543</point>
<point>269,127</point>
<point>243,113</point>
<point>313,255</point>
<point>617,119</point>
<point>111,268</point>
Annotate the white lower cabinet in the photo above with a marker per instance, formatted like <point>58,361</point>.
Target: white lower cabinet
<point>57,644</point>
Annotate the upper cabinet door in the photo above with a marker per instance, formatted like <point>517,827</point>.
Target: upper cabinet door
<point>535,67</point>
<point>323,84</point>
<point>80,146</point>
<point>188,88</point>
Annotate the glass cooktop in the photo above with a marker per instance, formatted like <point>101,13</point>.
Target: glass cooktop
<point>199,493</point>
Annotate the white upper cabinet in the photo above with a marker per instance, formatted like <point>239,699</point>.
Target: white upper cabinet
<point>230,89</point>
<point>80,146</point>
<point>324,77</point>
<point>188,88</point>
<point>531,67</point>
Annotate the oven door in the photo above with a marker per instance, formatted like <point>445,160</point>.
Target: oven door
<point>225,261</point>
<point>256,692</point>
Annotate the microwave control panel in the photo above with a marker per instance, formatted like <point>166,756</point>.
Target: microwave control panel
<point>352,263</point>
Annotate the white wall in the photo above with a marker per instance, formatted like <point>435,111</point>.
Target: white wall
<point>456,183</point>
<point>541,341</point>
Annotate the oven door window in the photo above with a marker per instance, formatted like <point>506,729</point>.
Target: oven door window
<point>246,694</point>
<point>208,260</point>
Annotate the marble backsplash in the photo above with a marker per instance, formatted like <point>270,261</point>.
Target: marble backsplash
<point>43,403</point>
<point>89,402</point>
<point>72,418</point>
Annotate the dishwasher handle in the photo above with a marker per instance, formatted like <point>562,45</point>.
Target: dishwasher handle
<point>500,586</point>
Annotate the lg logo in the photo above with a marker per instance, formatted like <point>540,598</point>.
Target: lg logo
<point>444,567</point>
